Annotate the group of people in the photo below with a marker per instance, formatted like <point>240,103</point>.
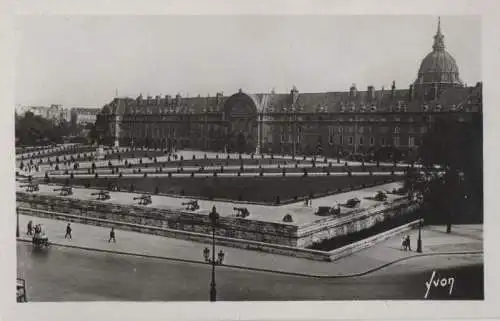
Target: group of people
<point>33,229</point>
<point>37,229</point>
<point>406,243</point>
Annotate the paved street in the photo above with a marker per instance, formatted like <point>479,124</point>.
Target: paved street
<point>464,238</point>
<point>64,274</point>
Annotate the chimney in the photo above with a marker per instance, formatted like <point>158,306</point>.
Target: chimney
<point>168,100</point>
<point>294,93</point>
<point>393,89</point>
<point>371,93</point>
<point>158,99</point>
<point>410,93</point>
<point>353,91</point>
<point>218,97</point>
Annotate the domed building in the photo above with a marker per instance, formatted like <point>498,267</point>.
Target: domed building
<point>353,121</point>
<point>438,71</point>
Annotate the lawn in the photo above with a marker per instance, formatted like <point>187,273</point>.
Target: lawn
<point>263,190</point>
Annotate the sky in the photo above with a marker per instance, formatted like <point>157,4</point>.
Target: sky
<point>83,61</point>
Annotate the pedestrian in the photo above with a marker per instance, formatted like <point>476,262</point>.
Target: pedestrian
<point>408,242</point>
<point>112,235</point>
<point>68,232</point>
<point>30,228</point>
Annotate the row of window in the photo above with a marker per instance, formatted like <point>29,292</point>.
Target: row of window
<point>396,141</point>
<point>369,129</point>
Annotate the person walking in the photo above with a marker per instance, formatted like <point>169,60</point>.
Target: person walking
<point>408,242</point>
<point>30,228</point>
<point>68,232</point>
<point>112,235</point>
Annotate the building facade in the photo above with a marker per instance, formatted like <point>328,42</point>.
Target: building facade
<point>84,116</point>
<point>53,112</point>
<point>331,123</point>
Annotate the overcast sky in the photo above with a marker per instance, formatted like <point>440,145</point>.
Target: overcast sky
<point>80,61</point>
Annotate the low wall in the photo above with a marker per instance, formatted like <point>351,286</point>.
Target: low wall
<point>226,241</point>
<point>331,227</point>
<point>369,241</point>
<point>232,227</point>
<point>179,234</point>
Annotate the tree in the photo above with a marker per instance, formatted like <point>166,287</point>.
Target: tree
<point>36,130</point>
<point>451,184</point>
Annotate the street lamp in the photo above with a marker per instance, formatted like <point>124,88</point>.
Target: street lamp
<point>419,241</point>
<point>17,216</point>
<point>214,220</point>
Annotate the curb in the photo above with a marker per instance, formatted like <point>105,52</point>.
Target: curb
<point>262,269</point>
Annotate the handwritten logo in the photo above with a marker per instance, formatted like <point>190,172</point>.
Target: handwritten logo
<point>436,282</point>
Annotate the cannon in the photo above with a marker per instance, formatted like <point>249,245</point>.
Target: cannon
<point>31,187</point>
<point>64,191</point>
<point>353,202</point>
<point>241,212</point>
<point>380,196</point>
<point>144,199</point>
<point>102,195</point>
<point>328,210</point>
<point>191,205</point>
<point>399,191</point>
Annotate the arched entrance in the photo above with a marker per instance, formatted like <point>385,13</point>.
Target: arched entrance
<point>240,112</point>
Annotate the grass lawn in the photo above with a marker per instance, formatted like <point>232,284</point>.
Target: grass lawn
<point>263,190</point>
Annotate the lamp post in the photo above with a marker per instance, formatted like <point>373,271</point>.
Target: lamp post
<point>17,216</point>
<point>214,219</point>
<point>419,241</point>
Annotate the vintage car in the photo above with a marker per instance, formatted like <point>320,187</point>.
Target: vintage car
<point>21,290</point>
<point>40,238</point>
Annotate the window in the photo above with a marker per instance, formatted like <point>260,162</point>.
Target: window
<point>331,135</point>
<point>299,134</point>
<point>283,135</point>
<point>397,130</point>
<point>382,141</point>
<point>350,140</point>
<point>341,139</point>
<point>423,130</point>
<point>372,141</point>
<point>361,140</point>
<point>411,141</point>
<point>360,129</point>
<point>396,141</point>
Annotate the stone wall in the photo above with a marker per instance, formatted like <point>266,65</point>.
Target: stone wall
<point>356,221</point>
<point>239,228</point>
<point>226,241</point>
<point>230,227</point>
